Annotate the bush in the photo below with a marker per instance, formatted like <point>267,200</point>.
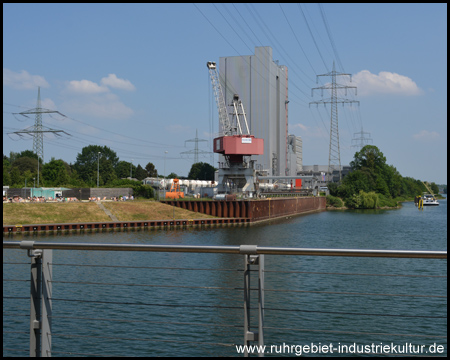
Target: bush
<point>139,189</point>
<point>334,201</point>
<point>387,202</point>
<point>363,200</point>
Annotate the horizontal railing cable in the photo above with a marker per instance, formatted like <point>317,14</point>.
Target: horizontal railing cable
<point>350,274</point>
<point>147,321</point>
<point>240,289</point>
<point>145,267</point>
<point>149,285</point>
<point>354,293</point>
<point>353,332</point>
<point>143,339</point>
<point>148,304</point>
<point>353,313</point>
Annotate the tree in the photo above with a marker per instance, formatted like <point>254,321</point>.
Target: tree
<point>151,170</point>
<point>369,157</point>
<point>55,173</point>
<point>6,170</point>
<point>123,169</point>
<point>354,182</point>
<point>106,172</point>
<point>26,163</point>
<point>86,163</point>
<point>201,171</point>
<point>140,173</point>
<point>15,177</point>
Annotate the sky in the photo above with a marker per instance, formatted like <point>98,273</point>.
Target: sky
<point>133,77</point>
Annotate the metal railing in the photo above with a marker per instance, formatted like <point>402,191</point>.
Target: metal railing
<point>253,325</point>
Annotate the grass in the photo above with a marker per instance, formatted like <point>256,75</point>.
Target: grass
<point>150,210</point>
<point>53,213</point>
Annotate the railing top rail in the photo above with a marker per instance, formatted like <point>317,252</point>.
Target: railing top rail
<point>242,249</point>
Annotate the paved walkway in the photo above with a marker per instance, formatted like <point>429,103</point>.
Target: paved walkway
<point>107,212</point>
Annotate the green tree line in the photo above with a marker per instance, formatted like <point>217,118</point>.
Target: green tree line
<point>20,169</point>
<point>372,183</point>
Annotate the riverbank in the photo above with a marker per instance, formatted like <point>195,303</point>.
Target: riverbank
<point>83,212</point>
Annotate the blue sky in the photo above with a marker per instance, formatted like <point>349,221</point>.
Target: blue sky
<point>133,77</point>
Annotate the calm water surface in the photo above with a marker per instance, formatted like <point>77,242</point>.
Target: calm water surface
<point>174,304</point>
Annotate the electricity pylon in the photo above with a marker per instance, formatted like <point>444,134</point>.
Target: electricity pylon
<point>38,130</point>
<point>334,158</point>
<point>196,151</point>
<point>363,141</point>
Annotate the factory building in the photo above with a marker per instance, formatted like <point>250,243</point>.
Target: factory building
<point>262,85</point>
<point>318,172</point>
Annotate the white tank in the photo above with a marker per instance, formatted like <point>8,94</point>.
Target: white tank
<point>194,183</point>
<point>153,182</point>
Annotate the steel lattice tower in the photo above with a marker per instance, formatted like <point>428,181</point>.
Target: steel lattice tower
<point>196,151</point>
<point>38,130</point>
<point>38,137</point>
<point>334,158</point>
<point>363,141</point>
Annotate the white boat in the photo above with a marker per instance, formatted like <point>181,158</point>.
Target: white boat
<point>429,200</point>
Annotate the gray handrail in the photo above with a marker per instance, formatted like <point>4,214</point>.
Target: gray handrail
<point>242,249</point>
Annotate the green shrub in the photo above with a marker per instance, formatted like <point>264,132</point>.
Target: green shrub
<point>363,200</point>
<point>387,202</point>
<point>334,201</point>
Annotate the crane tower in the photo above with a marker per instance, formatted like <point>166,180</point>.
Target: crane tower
<point>235,142</point>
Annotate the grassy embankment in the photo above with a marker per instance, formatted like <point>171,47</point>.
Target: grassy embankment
<point>52,213</point>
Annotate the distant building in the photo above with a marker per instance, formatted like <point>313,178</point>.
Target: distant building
<point>319,172</point>
<point>262,85</point>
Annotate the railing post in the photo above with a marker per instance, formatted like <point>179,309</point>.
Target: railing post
<point>46,328</point>
<point>35,301</point>
<point>249,335</point>
<point>261,302</point>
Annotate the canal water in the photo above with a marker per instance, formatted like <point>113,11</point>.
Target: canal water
<point>175,304</point>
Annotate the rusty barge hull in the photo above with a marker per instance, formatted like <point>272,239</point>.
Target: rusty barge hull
<point>253,210</point>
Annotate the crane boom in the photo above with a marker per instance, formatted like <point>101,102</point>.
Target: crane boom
<point>220,100</point>
<point>426,185</point>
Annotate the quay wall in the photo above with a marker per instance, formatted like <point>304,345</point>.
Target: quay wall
<point>228,213</point>
<point>254,210</point>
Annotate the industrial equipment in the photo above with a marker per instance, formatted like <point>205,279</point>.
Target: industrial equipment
<point>235,142</point>
<point>175,192</point>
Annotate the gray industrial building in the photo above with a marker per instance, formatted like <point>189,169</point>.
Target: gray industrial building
<point>262,85</point>
<point>318,172</point>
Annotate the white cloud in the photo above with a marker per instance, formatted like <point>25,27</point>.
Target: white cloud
<point>86,87</point>
<point>307,131</point>
<point>48,104</point>
<point>92,99</point>
<point>113,81</point>
<point>103,105</point>
<point>385,83</point>
<point>300,126</point>
<point>426,136</point>
<point>23,80</point>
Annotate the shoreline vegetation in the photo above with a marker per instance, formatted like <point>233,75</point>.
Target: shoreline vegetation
<point>373,184</point>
